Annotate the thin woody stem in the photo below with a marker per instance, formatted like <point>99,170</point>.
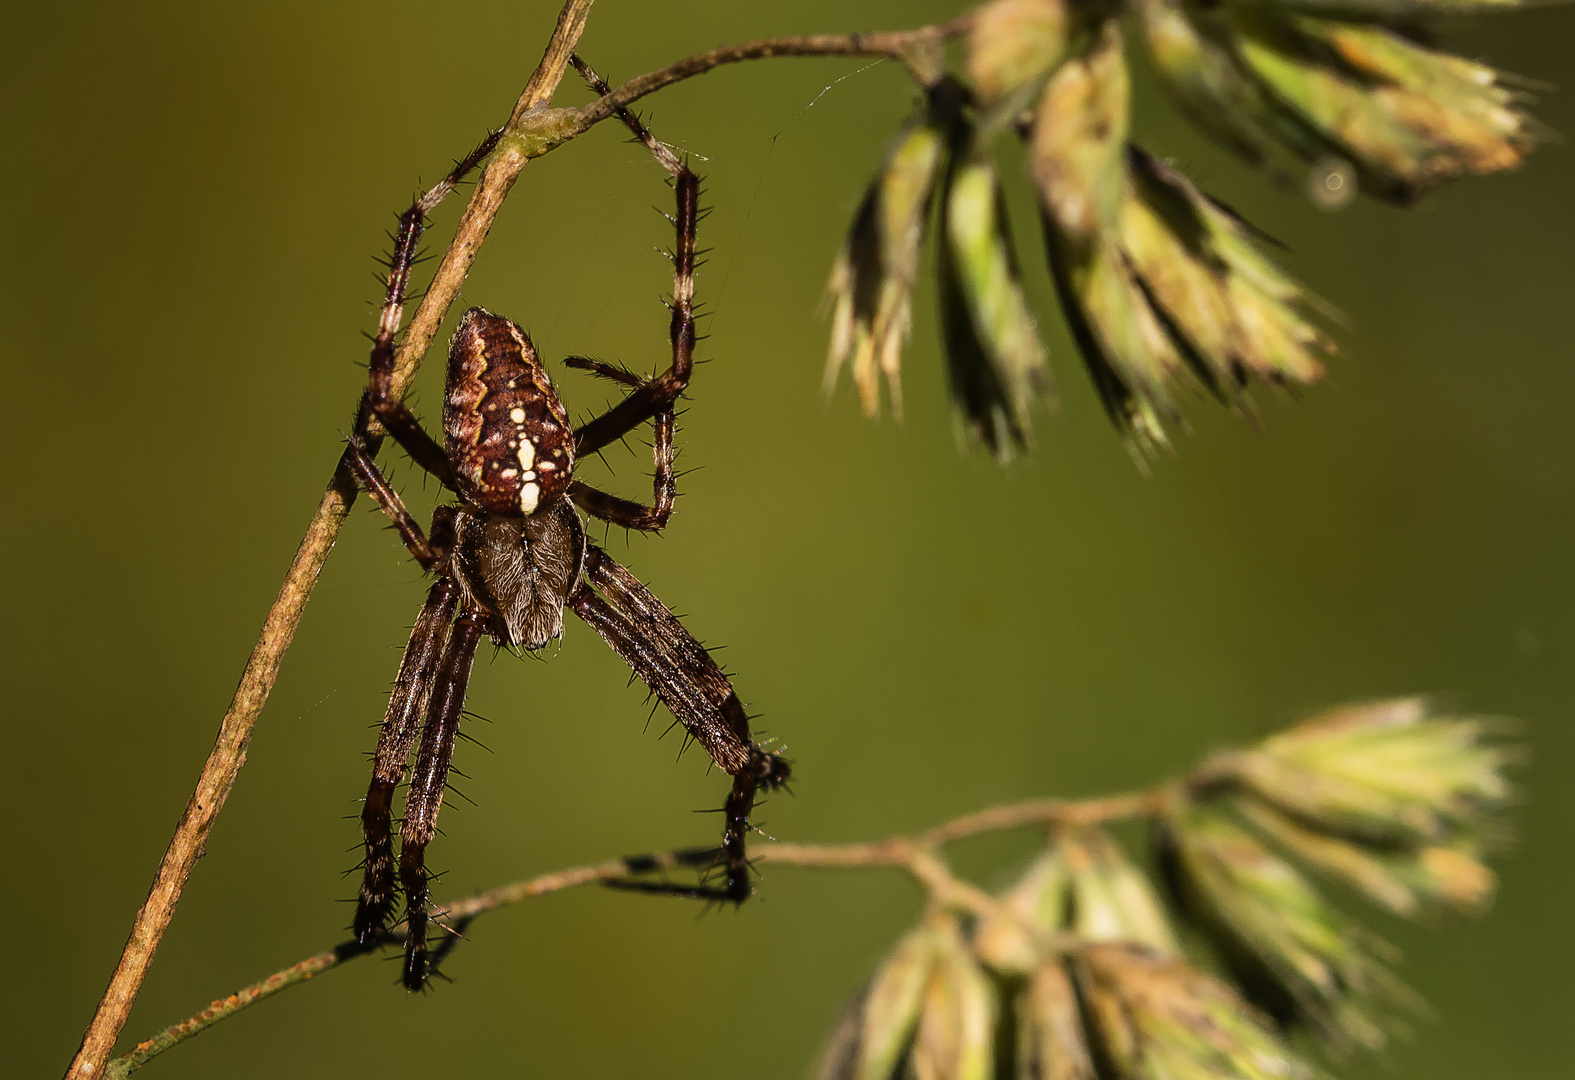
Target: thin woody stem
<point>229,752</point>
<point>914,48</point>
<point>1048,812</point>
<point>457,913</point>
<point>532,130</point>
<point>897,850</point>
<point>921,51</point>
<point>918,854</point>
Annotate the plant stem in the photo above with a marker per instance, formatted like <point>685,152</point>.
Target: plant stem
<point>532,130</point>
<point>921,51</point>
<point>917,854</point>
<point>235,732</point>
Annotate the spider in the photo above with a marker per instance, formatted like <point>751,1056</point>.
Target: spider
<point>512,553</point>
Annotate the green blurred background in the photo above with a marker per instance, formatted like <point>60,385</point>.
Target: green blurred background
<point>196,194</point>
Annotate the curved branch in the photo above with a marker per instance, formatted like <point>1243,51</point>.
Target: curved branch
<point>921,51</point>
<point>917,854</point>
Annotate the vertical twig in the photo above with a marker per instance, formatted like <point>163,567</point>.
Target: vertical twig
<point>235,732</point>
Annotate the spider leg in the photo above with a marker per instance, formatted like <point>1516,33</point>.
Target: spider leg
<point>664,487</point>
<point>427,780</point>
<point>652,397</point>
<point>633,621</point>
<point>418,671</point>
<point>603,370</point>
<point>652,641</point>
<point>389,409</point>
<point>428,553</point>
<point>412,690</point>
<point>664,482</point>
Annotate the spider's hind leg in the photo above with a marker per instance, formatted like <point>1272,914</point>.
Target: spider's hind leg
<point>427,782</point>
<point>418,671</point>
<point>418,674</point>
<point>767,772</point>
<point>618,606</point>
<point>669,660</point>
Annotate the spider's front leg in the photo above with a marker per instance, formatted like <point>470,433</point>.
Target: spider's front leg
<point>389,409</point>
<point>652,397</point>
<point>669,660</point>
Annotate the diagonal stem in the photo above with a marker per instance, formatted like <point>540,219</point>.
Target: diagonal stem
<point>229,752</point>
<point>532,130</point>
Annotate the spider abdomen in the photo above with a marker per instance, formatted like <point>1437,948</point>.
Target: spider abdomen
<point>506,433</point>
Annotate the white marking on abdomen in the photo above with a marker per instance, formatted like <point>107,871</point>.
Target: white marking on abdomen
<point>530,495</point>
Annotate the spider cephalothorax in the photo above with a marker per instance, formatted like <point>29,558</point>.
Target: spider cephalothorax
<point>512,554</point>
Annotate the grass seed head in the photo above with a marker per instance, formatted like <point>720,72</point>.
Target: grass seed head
<point>871,287</point>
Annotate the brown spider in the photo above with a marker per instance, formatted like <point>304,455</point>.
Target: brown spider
<point>512,553</point>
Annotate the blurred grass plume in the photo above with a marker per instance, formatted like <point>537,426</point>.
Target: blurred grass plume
<point>1162,287</point>
<point>1076,970</point>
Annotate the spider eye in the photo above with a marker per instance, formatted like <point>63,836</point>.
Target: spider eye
<point>507,434</point>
